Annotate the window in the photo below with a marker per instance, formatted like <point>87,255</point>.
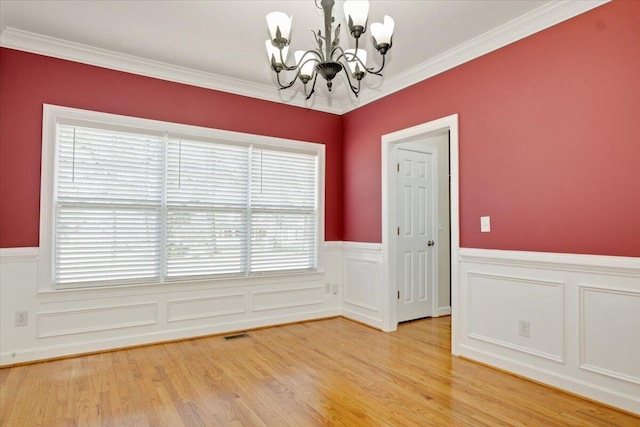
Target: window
<point>138,201</point>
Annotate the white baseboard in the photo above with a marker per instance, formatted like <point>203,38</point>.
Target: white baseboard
<point>363,318</point>
<point>555,379</point>
<point>66,349</point>
<point>444,311</point>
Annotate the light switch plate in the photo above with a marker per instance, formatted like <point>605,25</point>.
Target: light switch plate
<point>485,224</point>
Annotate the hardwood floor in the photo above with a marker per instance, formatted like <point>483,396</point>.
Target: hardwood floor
<point>328,372</point>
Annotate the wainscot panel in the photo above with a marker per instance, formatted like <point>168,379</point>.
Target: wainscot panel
<point>498,304</point>
<point>96,319</point>
<point>200,308</point>
<point>581,314</point>
<point>361,277</point>
<point>609,332</point>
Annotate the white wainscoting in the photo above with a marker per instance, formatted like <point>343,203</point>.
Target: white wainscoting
<point>610,344</point>
<point>583,312</point>
<point>363,298</point>
<point>201,308</point>
<point>95,319</point>
<point>70,322</point>
<point>491,320</point>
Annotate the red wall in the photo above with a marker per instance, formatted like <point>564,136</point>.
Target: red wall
<point>549,140</point>
<point>549,136</point>
<point>27,81</point>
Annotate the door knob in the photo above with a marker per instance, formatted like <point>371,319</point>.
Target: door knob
<point>430,243</point>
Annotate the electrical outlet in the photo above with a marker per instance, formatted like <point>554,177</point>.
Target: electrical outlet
<point>524,328</point>
<point>22,318</point>
<point>334,289</point>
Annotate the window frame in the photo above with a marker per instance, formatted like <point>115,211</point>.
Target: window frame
<point>54,114</point>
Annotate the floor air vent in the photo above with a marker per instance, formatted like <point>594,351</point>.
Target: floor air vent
<point>235,337</point>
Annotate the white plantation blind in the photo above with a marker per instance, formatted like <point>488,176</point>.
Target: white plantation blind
<point>133,207</point>
<point>108,206</point>
<point>283,210</point>
<point>206,208</point>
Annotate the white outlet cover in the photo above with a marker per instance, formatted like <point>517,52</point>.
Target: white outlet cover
<point>485,224</point>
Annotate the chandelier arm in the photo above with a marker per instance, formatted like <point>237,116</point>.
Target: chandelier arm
<point>347,57</point>
<point>342,53</point>
<point>353,88</point>
<point>313,87</point>
<point>288,85</point>
<point>298,66</point>
<point>378,71</point>
<point>284,64</point>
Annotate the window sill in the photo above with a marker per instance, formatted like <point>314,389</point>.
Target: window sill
<point>62,295</point>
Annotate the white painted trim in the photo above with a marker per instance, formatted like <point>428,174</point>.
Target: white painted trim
<point>511,346</point>
<point>43,316</point>
<point>389,141</point>
<point>334,245</point>
<point>18,255</point>
<point>65,295</point>
<point>374,264</point>
<point>374,322</point>
<point>444,311</point>
<point>577,273</point>
<point>537,20</point>
<point>362,247</point>
<point>532,281</point>
<point>288,304</point>
<point>367,310</point>
<point>26,41</point>
<point>622,266</point>
<point>66,349</point>
<point>582,363</point>
<point>176,302</point>
<point>361,304</point>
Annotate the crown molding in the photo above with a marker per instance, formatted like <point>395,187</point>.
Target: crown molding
<point>537,20</point>
<point>26,41</point>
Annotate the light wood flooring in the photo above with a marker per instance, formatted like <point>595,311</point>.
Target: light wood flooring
<point>330,372</point>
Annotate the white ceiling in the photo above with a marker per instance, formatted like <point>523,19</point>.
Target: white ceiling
<point>225,39</point>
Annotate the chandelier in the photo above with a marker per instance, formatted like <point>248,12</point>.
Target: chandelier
<point>329,59</point>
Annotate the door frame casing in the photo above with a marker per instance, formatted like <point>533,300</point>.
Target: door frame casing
<point>389,221</point>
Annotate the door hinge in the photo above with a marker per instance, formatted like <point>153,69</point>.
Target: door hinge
<point>398,294</point>
<point>398,231</point>
<point>398,167</point>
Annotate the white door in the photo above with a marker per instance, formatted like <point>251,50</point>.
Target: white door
<point>416,254</point>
